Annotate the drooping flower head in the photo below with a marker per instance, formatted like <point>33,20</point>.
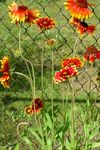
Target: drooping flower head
<point>91,54</point>
<point>22,13</point>
<point>29,110</point>
<point>45,23</point>
<point>36,107</point>
<point>81,26</point>
<point>85,28</point>
<point>72,62</point>
<point>78,8</point>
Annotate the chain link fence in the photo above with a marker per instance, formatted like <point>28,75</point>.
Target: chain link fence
<point>34,44</point>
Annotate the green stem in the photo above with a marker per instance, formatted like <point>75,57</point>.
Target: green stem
<point>31,77</point>
<point>73,113</point>
<point>74,48</point>
<point>73,100</point>
<point>42,71</point>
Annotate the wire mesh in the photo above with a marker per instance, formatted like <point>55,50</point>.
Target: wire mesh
<point>33,41</point>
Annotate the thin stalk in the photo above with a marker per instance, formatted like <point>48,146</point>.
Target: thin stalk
<point>74,48</point>
<point>42,134</point>
<point>73,100</point>
<point>32,77</point>
<point>72,113</point>
<point>42,71</point>
<point>52,93</point>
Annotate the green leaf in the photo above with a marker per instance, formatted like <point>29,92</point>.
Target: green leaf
<point>38,137</point>
<point>94,133</point>
<point>17,147</point>
<point>30,144</point>
<point>49,121</point>
<point>49,144</point>
<point>96,144</point>
<point>68,145</point>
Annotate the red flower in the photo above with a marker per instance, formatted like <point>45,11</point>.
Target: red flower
<point>22,14</point>
<point>59,77</point>
<point>69,71</point>
<point>36,107</point>
<point>4,65</point>
<point>84,27</point>
<point>91,54</point>
<point>17,13</point>
<point>78,8</point>
<point>5,80</point>
<point>75,21</point>
<point>45,23</point>
<point>64,74</point>
<point>72,62</point>
<point>31,16</point>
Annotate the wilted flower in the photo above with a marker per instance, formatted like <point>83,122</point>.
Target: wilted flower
<point>91,54</point>
<point>22,13</point>
<point>45,23</point>
<point>72,62</point>
<point>36,107</point>
<point>51,42</point>
<point>78,8</point>
<point>28,110</point>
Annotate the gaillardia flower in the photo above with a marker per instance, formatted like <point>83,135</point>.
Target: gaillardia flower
<point>59,77</point>
<point>72,62</point>
<point>36,107</point>
<point>5,80</point>
<point>17,13</point>
<point>64,74</point>
<point>22,14</point>
<point>78,8</point>
<point>91,54</point>
<point>69,69</point>
<point>45,23</point>
<point>4,65</point>
<point>85,28</point>
<point>81,26</point>
<point>31,16</point>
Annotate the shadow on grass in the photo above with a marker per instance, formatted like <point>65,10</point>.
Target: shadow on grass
<point>8,99</point>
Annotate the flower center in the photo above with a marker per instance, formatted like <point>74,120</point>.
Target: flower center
<point>81,3</point>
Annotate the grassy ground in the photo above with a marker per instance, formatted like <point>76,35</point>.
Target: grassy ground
<point>14,100</point>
